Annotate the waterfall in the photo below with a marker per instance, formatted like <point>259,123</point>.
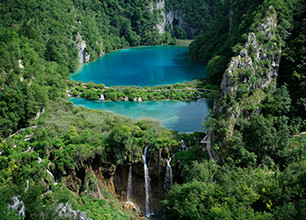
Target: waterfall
<point>169,176</point>
<point>129,190</point>
<point>132,203</point>
<point>183,146</point>
<point>39,160</point>
<point>29,149</point>
<point>27,184</point>
<point>52,177</point>
<point>147,182</point>
<point>48,190</point>
<point>102,97</point>
<point>129,185</point>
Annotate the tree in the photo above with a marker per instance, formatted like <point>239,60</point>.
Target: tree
<point>179,33</point>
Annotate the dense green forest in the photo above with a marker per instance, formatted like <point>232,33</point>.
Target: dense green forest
<point>255,129</point>
<point>257,125</point>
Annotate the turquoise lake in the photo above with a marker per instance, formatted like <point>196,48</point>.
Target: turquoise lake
<point>183,116</point>
<point>148,66</point>
<point>142,66</point>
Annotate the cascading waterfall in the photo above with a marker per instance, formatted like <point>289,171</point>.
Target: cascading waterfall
<point>147,183</point>
<point>129,185</point>
<point>55,183</point>
<point>183,146</point>
<point>52,177</point>
<point>27,184</point>
<point>132,203</point>
<point>169,176</point>
<point>129,190</point>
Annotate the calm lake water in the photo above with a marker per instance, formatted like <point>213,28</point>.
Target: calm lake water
<point>183,116</point>
<point>142,66</point>
<point>148,66</point>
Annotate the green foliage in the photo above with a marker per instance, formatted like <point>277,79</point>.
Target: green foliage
<point>179,32</point>
<point>213,192</point>
<point>39,48</point>
<point>215,69</point>
<point>183,91</point>
<point>198,14</point>
<point>264,174</point>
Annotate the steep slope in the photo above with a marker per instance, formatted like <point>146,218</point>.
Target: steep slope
<point>186,19</point>
<point>42,41</point>
<point>252,73</point>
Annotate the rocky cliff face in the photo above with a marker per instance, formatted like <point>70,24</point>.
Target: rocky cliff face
<point>172,18</point>
<point>81,45</point>
<point>253,70</point>
<point>95,179</point>
<point>255,60</point>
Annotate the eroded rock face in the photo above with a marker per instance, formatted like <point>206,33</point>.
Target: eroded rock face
<point>172,18</point>
<point>95,178</point>
<point>254,69</point>
<point>81,45</point>
<point>17,206</point>
<point>252,57</point>
<point>66,211</point>
<point>157,163</point>
<point>161,26</point>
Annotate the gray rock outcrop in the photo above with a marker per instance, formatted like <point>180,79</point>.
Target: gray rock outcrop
<point>262,64</point>
<point>172,18</point>
<point>17,206</point>
<point>66,211</point>
<point>81,45</point>
<point>255,68</point>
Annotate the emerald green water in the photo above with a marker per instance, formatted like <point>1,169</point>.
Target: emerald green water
<point>142,66</point>
<point>183,116</point>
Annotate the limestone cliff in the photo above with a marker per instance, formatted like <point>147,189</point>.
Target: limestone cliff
<point>172,18</point>
<point>97,179</point>
<point>252,73</point>
<point>81,45</point>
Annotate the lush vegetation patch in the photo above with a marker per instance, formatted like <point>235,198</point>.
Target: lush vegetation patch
<point>183,91</point>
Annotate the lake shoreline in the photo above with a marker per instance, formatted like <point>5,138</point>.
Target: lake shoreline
<point>189,90</point>
<point>142,66</point>
<point>183,116</point>
<point>179,42</point>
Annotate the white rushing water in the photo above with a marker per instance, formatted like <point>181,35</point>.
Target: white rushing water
<point>52,177</point>
<point>132,203</point>
<point>169,176</point>
<point>129,185</point>
<point>39,160</point>
<point>183,146</point>
<point>129,191</point>
<point>29,149</point>
<point>27,184</point>
<point>147,183</point>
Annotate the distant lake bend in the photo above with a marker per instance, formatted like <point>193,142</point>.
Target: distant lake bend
<point>183,116</point>
<point>142,66</point>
